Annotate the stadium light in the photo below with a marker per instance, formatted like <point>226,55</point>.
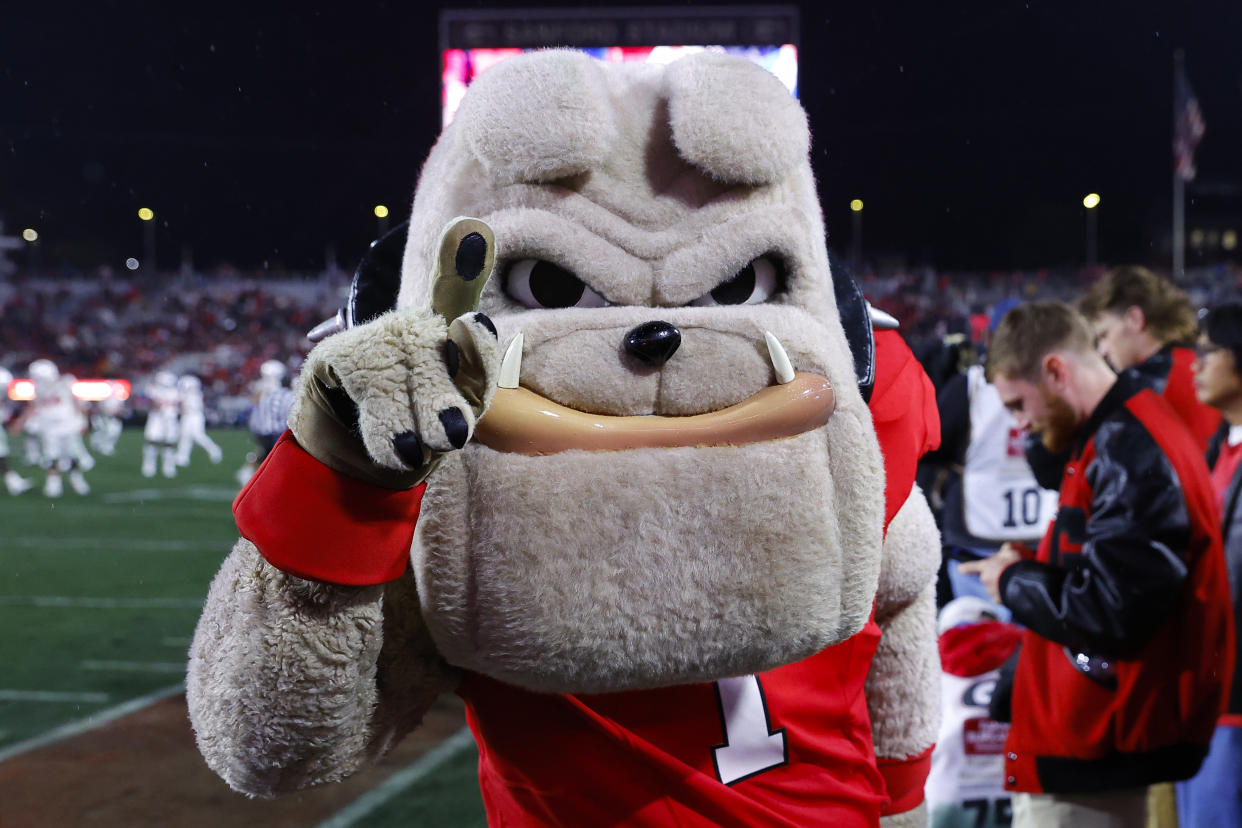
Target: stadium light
<point>381,211</point>
<point>856,218</point>
<point>1091,201</point>
<point>146,213</point>
<point>30,235</point>
<point>88,390</point>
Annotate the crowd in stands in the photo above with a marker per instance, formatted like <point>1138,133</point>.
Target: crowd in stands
<point>932,304</point>
<point>222,326</point>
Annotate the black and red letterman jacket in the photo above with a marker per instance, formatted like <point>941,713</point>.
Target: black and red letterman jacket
<point>1128,652</point>
<point>1168,373</point>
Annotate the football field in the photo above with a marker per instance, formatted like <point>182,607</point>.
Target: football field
<point>99,595</point>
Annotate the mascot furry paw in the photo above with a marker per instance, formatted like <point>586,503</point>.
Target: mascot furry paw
<point>669,553</point>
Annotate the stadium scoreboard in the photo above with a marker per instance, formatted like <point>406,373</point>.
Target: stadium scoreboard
<point>472,40</point>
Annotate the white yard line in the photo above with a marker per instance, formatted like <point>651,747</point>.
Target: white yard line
<point>399,781</point>
<point>91,722</point>
<point>98,543</point>
<point>84,602</point>
<point>52,696</point>
<point>134,666</point>
<point>218,494</point>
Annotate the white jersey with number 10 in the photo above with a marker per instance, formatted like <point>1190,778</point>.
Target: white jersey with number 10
<point>1000,498</point>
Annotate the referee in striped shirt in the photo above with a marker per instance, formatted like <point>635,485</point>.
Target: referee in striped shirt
<point>270,416</point>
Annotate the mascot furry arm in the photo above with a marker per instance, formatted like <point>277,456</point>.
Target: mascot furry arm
<point>695,618</point>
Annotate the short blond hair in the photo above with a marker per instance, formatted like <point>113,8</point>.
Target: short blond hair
<point>1030,332</point>
<point>1170,317</point>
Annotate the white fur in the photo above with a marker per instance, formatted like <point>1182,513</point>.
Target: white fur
<point>586,571</point>
<point>541,119</point>
<point>281,683</point>
<point>735,121</point>
<point>903,685</point>
<point>590,573</point>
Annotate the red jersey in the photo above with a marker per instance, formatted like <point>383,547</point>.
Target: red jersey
<point>789,747</point>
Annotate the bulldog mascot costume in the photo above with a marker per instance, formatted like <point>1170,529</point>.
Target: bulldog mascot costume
<point>649,510</point>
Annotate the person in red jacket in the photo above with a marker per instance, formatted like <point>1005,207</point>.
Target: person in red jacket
<point>1146,324</point>
<point>1128,652</point>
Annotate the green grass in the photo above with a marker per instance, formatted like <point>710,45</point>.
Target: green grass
<point>99,593</point>
<point>447,797</point>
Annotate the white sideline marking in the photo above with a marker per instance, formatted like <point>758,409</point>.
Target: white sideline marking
<point>212,493</point>
<point>134,666</point>
<point>399,781</point>
<point>103,717</point>
<point>52,696</point>
<point>82,602</point>
<point>98,543</point>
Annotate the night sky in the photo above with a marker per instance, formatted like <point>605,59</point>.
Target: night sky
<point>262,134</point>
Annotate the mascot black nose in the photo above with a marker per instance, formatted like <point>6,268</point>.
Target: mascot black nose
<point>653,343</point>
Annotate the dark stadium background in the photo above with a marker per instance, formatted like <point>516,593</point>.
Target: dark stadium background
<point>262,132</point>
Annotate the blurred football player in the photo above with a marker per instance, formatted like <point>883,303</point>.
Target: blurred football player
<point>14,482</point>
<point>193,422</point>
<point>55,417</point>
<point>77,442</point>
<point>160,433</point>
<point>106,425</point>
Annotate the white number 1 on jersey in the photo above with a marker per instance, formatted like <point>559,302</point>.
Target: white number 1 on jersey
<point>751,746</point>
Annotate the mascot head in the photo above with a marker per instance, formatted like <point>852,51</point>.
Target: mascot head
<point>681,481</point>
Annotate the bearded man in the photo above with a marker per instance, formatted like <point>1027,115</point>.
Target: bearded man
<point>1128,646</point>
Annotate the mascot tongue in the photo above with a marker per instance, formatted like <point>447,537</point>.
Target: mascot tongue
<point>519,421</point>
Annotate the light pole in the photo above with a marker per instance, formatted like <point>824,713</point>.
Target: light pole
<point>1091,201</point>
<point>147,215</point>
<point>856,208</point>
<point>381,220</point>
<point>31,236</point>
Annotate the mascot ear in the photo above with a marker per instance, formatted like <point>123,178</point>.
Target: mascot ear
<point>860,321</point>
<point>374,288</point>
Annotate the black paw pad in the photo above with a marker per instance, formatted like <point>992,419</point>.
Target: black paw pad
<point>455,428</point>
<point>409,449</point>
<point>471,255</point>
<point>486,322</point>
<point>452,358</point>
<point>343,407</point>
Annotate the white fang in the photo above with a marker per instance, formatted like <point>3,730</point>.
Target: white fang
<point>780,359</point>
<point>511,365</point>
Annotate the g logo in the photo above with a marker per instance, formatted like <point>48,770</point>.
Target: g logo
<point>979,694</point>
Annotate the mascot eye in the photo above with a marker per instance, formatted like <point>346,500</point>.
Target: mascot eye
<point>758,282</point>
<point>539,284</point>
